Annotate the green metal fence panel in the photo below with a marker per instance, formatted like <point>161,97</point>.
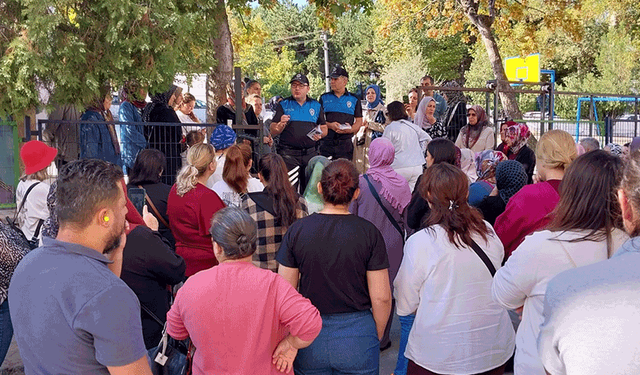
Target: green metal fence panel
<point>9,163</point>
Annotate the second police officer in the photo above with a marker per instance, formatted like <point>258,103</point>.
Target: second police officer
<point>343,112</point>
<point>301,124</point>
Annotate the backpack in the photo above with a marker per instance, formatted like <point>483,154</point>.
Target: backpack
<point>13,226</point>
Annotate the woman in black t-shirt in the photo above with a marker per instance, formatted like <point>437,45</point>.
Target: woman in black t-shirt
<point>341,263</point>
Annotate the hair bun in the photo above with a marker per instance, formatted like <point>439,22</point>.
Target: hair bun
<point>242,239</point>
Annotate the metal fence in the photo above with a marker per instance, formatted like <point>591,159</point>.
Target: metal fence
<point>9,163</point>
<point>542,108</point>
<point>95,139</point>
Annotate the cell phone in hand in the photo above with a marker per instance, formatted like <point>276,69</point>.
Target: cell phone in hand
<point>405,99</point>
<point>136,196</point>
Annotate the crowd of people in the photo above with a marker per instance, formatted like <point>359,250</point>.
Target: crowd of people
<point>300,260</point>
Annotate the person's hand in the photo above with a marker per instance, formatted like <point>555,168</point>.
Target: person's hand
<point>284,355</point>
<point>317,137</point>
<point>149,219</point>
<point>519,311</point>
<point>277,127</point>
<point>431,119</point>
<point>344,131</point>
<point>335,126</point>
<point>494,192</point>
<point>536,179</point>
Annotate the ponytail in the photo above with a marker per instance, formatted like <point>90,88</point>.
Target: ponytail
<point>235,172</point>
<point>446,188</point>
<point>285,200</point>
<point>199,157</point>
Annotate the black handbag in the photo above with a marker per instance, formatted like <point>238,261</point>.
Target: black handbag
<point>33,242</point>
<point>171,356</point>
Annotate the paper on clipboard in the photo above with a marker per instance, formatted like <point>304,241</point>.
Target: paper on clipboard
<point>315,131</point>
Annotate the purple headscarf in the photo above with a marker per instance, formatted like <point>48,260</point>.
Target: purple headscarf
<point>395,189</point>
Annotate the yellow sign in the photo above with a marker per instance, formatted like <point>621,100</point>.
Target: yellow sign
<point>525,69</point>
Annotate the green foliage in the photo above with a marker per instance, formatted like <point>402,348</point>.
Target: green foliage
<point>403,75</point>
<point>74,47</point>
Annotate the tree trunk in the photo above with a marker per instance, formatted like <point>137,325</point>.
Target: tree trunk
<point>483,24</point>
<point>222,73</point>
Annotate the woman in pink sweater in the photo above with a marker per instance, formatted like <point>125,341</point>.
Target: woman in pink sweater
<point>241,319</point>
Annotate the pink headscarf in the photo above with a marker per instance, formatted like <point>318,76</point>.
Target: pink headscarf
<point>395,189</point>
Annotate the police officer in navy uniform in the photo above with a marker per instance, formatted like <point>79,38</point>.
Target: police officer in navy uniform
<point>299,120</point>
<point>344,117</point>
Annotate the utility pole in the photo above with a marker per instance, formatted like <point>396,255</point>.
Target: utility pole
<point>323,36</point>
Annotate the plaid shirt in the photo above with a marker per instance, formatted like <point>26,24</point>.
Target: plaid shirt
<point>270,232</point>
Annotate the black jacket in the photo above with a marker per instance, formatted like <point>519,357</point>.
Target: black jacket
<point>159,194</point>
<point>149,266</point>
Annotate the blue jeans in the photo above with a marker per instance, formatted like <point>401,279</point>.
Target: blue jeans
<point>347,344</point>
<point>406,322</point>
<point>6,330</point>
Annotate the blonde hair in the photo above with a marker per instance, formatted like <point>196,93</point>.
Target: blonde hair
<point>40,175</point>
<point>199,157</point>
<point>556,149</point>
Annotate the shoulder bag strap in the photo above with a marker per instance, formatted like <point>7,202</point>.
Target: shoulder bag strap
<point>389,216</point>
<point>154,209</point>
<point>484,257</point>
<point>24,199</point>
<point>151,314</point>
<point>37,232</point>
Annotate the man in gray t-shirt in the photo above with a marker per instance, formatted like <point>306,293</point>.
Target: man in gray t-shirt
<point>71,313</point>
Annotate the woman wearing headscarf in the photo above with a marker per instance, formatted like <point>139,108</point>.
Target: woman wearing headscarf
<point>510,178</point>
<point>517,149</point>
<point>614,149</point>
<point>133,140</point>
<point>529,210</point>
<point>99,141</point>
<point>456,116</point>
<point>486,162</point>
<point>165,138</point>
<point>375,119</point>
<point>313,172</point>
<point>384,196</point>
<point>477,135</point>
<point>426,120</point>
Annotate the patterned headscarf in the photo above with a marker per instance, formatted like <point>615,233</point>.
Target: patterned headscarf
<point>222,137</point>
<point>614,148</point>
<point>486,162</point>
<point>395,188</point>
<point>471,133</point>
<point>518,134</point>
<point>129,93</point>
<point>510,178</point>
<point>378,96</point>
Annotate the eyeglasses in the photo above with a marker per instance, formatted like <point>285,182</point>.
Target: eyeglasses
<point>298,85</point>
<point>471,114</point>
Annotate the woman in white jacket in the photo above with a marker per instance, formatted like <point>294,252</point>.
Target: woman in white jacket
<point>409,142</point>
<point>587,228</point>
<point>458,329</point>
